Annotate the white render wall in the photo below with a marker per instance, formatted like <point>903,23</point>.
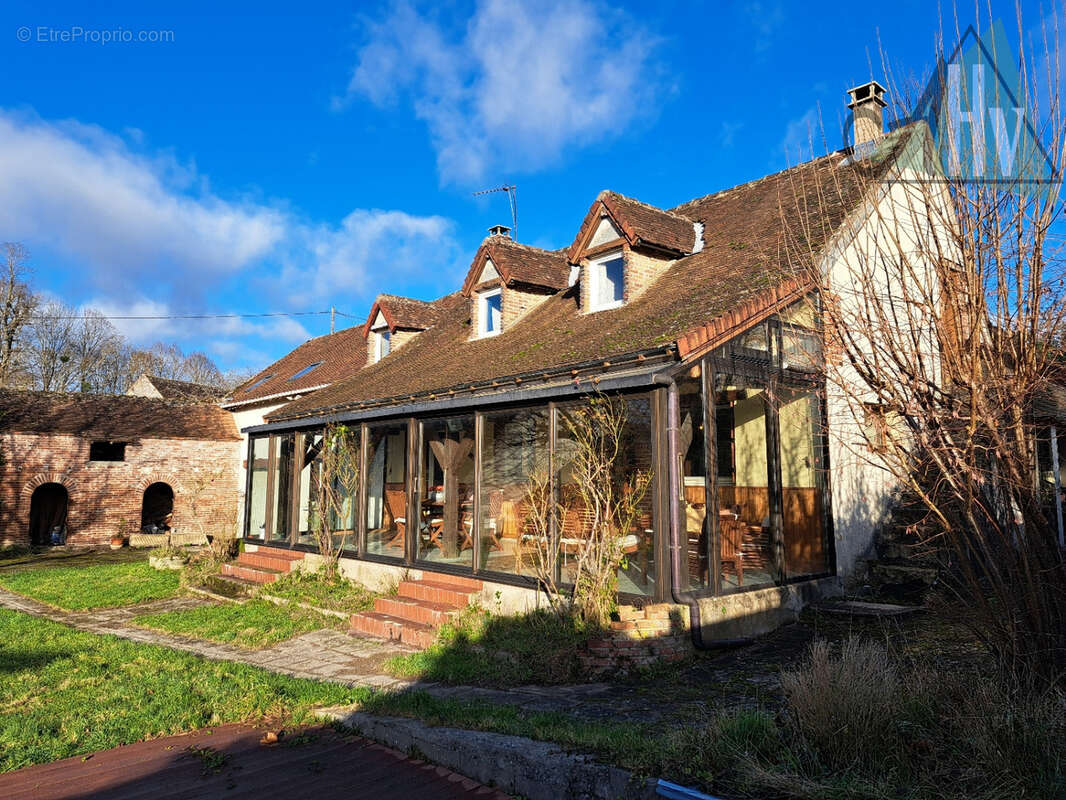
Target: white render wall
<point>863,490</point>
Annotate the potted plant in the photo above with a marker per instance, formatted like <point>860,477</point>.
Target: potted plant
<point>118,538</point>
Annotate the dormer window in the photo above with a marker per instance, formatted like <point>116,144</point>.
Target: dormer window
<point>606,282</point>
<point>490,312</point>
<point>382,343</point>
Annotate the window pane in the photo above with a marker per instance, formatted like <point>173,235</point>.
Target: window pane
<point>799,421</point>
<point>257,489</point>
<point>690,401</point>
<point>386,489</point>
<point>447,503</point>
<point>282,497</point>
<point>514,447</point>
<point>310,461</point>
<point>493,313</point>
<point>610,282</point>
<point>637,573</point>
<point>744,526</point>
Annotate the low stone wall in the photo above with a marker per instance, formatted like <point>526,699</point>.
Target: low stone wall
<point>640,638</point>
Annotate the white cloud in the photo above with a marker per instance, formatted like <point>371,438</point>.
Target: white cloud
<point>144,321</point>
<point>86,193</point>
<point>515,86</point>
<point>135,220</point>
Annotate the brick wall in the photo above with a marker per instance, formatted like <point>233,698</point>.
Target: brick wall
<point>517,303</point>
<point>103,494</point>
<point>397,340</point>
<point>641,637</point>
<point>642,270</point>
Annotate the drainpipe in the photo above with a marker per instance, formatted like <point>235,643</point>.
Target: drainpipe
<point>674,480</point>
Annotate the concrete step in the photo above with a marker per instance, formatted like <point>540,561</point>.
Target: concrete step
<point>421,611</point>
<point>435,592</point>
<point>279,561</point>
<point>230,586</point>
<point>248,573</point>
<point>385,626</point>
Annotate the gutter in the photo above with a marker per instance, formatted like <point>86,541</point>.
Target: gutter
<point>463,401</point>
<point>292,394</point>
<point>674,480</point>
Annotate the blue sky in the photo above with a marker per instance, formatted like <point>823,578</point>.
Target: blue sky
<point>261,161</point>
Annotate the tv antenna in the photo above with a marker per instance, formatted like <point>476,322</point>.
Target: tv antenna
<point>514,205</point>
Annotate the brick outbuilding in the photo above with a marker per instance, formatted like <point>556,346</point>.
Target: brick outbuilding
<point>81,468</point>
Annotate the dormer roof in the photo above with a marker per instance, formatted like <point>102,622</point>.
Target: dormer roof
<point>516,263</point>
<point>639,224</point>
<point>401,313</point>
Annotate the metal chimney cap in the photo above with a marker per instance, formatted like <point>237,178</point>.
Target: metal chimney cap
<point>500,230</point>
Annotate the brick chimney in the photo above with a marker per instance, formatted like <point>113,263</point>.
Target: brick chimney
<point>867,100</point>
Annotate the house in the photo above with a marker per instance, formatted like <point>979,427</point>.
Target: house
<point>702,324</point>
<point>171,389</point>
<point>79,468</point>
<point>314,365</point>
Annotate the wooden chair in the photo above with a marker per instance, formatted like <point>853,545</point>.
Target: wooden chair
<point>732,540</point>
<point>396,505</point>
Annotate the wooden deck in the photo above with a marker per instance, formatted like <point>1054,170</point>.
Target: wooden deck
<point>231,762</point>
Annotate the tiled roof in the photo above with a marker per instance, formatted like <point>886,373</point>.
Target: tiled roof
<point>642,225</point>
<point>342,354</point>
<point>113,417</point>
<point>519,263</point>
<point>402,312</point>
<point>188,391</point>
<point>757,239</point>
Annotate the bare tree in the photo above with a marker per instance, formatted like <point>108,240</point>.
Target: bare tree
<point>17,304</point>
<point>335,493</point>
<point>607,503</point>
<point>49,345</point>
<point>944,306</point>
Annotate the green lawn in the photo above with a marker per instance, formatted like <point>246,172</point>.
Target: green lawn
<point>64,692</point>
<point>107,585</point>
<point>255,624</point>
<point>312,588</point>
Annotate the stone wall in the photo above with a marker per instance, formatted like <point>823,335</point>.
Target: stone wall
<point>104,494</point>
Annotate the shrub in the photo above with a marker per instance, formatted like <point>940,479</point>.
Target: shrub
<point>844,699</point>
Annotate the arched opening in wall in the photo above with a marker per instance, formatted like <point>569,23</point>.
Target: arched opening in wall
<point>48,514</point>
<point>157,508</point>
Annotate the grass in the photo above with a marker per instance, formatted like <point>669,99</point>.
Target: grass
<point>481,649</point>
<point>103,585</point>
<point>65,693</point>
<point>312,588</point>
<point>255,624</point>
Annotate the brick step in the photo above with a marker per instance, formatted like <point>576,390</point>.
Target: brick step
<point>279,552</point>
<point>435,592</point>
<point>278,563</point>
<point>421,611</point>
<point>384,626</point>
<point>253,574</point>
<point>456,581</point>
